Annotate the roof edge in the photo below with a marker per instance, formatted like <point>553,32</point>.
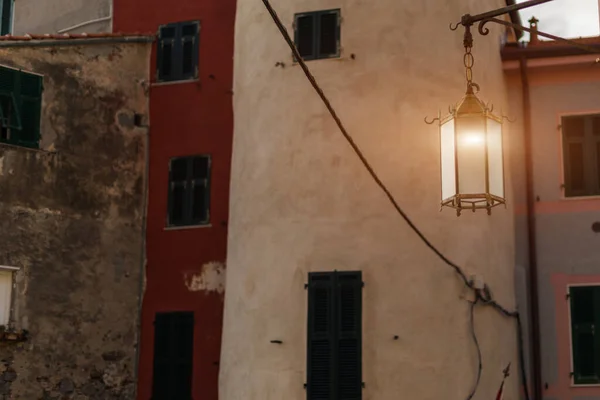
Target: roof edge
<point>78,41</point>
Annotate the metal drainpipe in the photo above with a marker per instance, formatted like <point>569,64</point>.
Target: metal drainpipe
<point>531,235</point>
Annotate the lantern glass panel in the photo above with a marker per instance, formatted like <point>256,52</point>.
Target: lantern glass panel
<point>495,158</point>
<point>448,159</point>
<point>470,151</point>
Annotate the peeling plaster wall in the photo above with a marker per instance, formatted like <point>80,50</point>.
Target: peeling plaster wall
<point>302,202</point>
<point>71,220</point>
<point>34,16</point>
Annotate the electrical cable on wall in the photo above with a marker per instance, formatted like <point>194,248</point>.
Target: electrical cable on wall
<point>485,295</point>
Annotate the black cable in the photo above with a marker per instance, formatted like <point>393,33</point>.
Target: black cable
<point>479,358</point>
<point>382,186</point>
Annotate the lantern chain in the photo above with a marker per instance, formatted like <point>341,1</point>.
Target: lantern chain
<point>468,59</point>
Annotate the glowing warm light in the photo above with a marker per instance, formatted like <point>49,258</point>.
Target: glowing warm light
<point>472,139</point>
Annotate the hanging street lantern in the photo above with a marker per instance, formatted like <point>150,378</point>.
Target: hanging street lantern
<point>471,150</point>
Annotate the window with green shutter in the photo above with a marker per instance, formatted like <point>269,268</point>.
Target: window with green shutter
<point>334,348</point>
<point>20,107</point>
<point>173,356</point>
<point>585,319</point>
<point>6,12</point>
<point>178,51</point>
<point>581,155</point>
<point>189,191</point>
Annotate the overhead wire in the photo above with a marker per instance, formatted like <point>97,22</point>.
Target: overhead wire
<point>487,300</point>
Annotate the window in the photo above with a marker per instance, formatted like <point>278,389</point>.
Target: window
<point>6,283</point>
<point>6,10</point>
<point>189,191</point>
<point>317,34</point>
<point>20,107</point>
<point>581,154</point>
<point>173,356</point>
<point>334,362</point>
<point>177,52</point>
<point>585,317</point>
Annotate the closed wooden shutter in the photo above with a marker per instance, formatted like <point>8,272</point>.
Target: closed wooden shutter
<point>173,356</point>
<point>320,372</point>
<point>585,320</point>
<point>31,110</point>
<point>6,16</point>
<point>334,359</point>
<point>349,304</point>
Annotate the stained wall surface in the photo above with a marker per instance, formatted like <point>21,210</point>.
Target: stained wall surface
<point>301,202</point>
<point>71,218</point>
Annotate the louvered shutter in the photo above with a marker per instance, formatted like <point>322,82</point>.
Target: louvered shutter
<point>584,323</point>
<point>31,109</point>
<point>188,51</point>
<point>573,129</point>
<point>173,356</point>
<point>349,318</point>
<point>5,16</point>
<point>10,116</point>
<point>320,363</point>
<point>167,37</point>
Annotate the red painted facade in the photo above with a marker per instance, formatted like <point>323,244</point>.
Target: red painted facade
<point>186,118</point>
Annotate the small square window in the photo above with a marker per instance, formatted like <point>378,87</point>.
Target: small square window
<point>189,191</point>
<point>581,155</point>
<point>177,52</point>
<point>317,34</point>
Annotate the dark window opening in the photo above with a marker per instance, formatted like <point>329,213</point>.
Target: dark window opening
<point>177,51</point>
<point>581,154</point>
<point>20,107</point>
<point>334,359</point>
<point>585,317</point>
<point>6,11</point>
<point>189,191</point>
<point>317,34</point>
<point>173,356</point>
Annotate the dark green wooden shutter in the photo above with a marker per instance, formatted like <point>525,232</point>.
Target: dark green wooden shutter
<point>334,364</point>
<point>189,48</point>
<point>31,109</point>
<point>585,307</point>
<point>173,356</point>
<point>320,363</point>
<point>305,35</point>
<point>167,37</point>
<point>5,16</point>
<point>349,317</point>
<point>328,34</point>
<point>10,116</point>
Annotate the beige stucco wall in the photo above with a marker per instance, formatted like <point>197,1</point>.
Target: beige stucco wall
<point>34,16</point>
<point>302,202</point>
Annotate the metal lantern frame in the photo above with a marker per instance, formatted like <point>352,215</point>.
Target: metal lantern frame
<point>472,201</point>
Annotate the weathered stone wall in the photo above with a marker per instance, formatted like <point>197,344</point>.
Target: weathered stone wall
<point>71,218</point>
